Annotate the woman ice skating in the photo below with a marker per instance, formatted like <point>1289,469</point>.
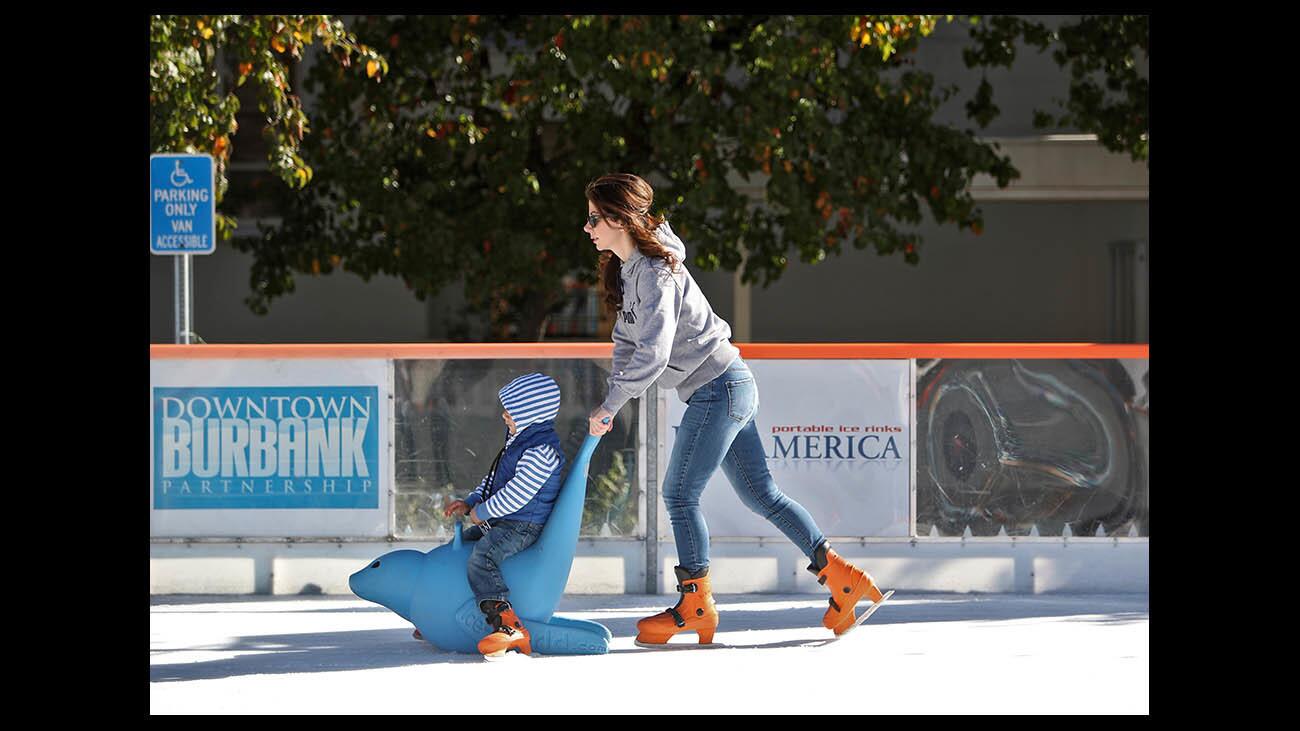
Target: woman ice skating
<point>667,334</point>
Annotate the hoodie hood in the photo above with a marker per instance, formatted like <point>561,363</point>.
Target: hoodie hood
<point>666,237</point>
<point>531,399</point>
<point>670,240</point>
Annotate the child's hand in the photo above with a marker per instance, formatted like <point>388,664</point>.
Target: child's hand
<point>474,518</point>
<point>455,507</point>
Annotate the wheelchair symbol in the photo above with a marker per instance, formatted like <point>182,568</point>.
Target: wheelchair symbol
<point>180,177</point>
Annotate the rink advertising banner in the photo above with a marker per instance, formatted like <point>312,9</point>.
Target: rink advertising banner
<point>269,447</point>
<point>837,437</point>
<point>251,447</point>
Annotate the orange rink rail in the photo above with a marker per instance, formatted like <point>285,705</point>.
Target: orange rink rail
<point>857,351</point>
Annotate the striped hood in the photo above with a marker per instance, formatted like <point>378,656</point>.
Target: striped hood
<point>531,399</point>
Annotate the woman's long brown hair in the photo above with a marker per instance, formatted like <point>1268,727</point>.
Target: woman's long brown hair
<point>625,199</point>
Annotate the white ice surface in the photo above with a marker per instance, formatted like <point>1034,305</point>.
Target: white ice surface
<point>920,653</point>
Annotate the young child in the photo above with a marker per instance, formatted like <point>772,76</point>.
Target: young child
<point>512,502</point>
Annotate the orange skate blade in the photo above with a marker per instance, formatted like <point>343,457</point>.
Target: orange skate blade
<point>870,611</point>
<point>684,645</point>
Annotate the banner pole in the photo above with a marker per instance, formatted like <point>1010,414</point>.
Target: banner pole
<point>650,402</point>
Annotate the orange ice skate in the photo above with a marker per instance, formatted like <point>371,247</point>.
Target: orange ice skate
<point>847,584</point>
<point>694,612</point>
<point>508,632</point>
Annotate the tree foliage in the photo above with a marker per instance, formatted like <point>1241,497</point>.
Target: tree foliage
<point>470,158</point>
<point>1109,95</point>
<point>192,103</point>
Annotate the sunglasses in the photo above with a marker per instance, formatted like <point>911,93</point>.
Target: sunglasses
<point>592,218</point>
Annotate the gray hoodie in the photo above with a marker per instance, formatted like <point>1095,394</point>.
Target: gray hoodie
<point>666,333</point>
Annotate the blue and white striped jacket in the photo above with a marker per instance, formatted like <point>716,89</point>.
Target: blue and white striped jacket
<point>525,478</point>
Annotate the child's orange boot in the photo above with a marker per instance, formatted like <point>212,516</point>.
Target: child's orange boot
<point>694,612</point>
<point>847,584</point>
<point>508,632</point>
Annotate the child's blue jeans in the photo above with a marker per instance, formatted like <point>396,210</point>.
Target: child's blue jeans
<point>504,539</point>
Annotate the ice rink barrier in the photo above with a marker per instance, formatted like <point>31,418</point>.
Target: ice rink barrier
<point>1012,466</point>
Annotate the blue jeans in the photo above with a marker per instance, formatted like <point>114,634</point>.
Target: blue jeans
<point>504,539</point>
<point>720,428</point>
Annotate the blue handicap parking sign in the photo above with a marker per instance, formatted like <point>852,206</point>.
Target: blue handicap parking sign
<point>182,204</point>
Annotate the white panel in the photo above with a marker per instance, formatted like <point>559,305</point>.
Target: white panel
<point>202,576</point>
<point>292,575</point>
<point>596,575</point>
<point>735,575</point>
<point>987,574</point>
<point>1093,568</point>
<point>950,566</point>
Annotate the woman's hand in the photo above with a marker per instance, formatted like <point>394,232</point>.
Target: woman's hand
<point>456,508</point>
<point>595,425</point>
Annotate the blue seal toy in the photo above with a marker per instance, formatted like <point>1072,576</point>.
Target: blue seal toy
<point>431,590</point>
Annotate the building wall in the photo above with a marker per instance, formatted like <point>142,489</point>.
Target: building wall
<point>339,308</point>
<point>1032,82</point>
<point>1039,272</point>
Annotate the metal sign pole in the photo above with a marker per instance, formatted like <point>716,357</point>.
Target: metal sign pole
<point>184,299</point>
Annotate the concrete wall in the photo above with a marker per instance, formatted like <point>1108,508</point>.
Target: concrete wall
<point>602,566</point>
<point>1039,272</point>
